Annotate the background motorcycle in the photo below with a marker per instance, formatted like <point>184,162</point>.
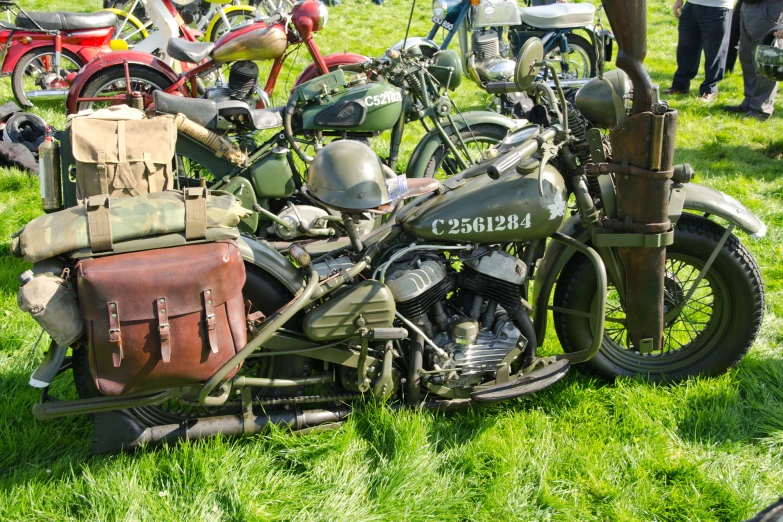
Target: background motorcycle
<point>43,51</point>
<point>113,78</point>
<point>441,315</point>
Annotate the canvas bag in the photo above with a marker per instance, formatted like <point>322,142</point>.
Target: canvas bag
<point>120,153</point>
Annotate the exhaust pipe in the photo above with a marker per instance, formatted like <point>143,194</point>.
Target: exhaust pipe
<point>47,94</point>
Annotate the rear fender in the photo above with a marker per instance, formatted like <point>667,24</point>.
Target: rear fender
<point>267,258</point>
<point>431,141</point>
<point>696,198</point>
<point>117,58</point>
<point>331,61</point>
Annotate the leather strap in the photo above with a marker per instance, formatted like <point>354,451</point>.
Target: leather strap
<point>195,213</point>
<point>164,330</point>
<point>98,224</point>
<point>209,320</point>
<point>115,336</point>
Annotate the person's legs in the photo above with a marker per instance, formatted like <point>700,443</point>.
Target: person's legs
<point>688,48</point>
<point>734,35</point>
<point>757,21</point>
<point>714,24</point>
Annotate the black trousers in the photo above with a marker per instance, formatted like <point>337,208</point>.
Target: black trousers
<point>702,28</point>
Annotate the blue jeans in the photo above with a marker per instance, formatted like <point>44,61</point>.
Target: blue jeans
<point>702,28</point>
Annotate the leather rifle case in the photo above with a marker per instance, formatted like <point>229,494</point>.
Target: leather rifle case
<point>163,318</point>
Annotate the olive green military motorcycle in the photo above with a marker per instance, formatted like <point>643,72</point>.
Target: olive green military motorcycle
<point>435,308</point>
<point>218,141</point>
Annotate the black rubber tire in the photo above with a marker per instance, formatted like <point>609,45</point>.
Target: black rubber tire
<point>718,347</point>
<point>17,77</point>
<point>117,73</point>
<point>488,131</point>
<point>220,25</point>
<point>267,295</point>
<point>574,40</point>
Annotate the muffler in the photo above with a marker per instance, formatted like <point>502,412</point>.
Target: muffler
<point>47,94</point>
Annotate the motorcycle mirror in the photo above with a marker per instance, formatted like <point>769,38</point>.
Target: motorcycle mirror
<point>532,52</point>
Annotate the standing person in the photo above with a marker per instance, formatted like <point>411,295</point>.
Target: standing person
<point>704,25</point>
<point>734,36</point>
<point>758,17</point>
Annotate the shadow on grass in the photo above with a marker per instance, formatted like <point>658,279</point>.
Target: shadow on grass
<point>748,407</point>
<point>717,159</point>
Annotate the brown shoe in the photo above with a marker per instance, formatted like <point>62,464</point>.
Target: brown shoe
<point>675,90</point>
<point>708,97</point>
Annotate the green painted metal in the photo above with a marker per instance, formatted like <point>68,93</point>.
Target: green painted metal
<point>272,176</point>
<point>243,190</point>
<point>381,100</point>
<point>270,260</point>
<point>488,211</point>
<point>369,304</point>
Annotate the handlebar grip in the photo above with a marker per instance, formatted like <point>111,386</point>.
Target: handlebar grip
<point>504,163</point>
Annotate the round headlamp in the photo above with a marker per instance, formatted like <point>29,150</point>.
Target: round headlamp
<point>440,8</point>
<point>323,16</point>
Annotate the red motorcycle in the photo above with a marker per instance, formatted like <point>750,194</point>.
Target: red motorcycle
<point>117,77</point>
<point>43,51</point>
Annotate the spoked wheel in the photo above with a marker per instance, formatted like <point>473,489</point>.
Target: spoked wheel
<point>234,19</point>
<point>112,85</point>
<point>131,28</point>
<point>266,295</point>
<point>478,138</point>
<point>35,74</point>
<point>707,334</point>
<point>578,63</point>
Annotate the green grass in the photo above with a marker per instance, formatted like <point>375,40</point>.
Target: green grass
<point>706,449</point>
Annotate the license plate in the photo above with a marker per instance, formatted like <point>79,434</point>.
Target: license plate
<point>443,23</point>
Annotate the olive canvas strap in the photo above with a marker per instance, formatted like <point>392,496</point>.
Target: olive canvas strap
<point>98,224</point>
<point>195,213</point>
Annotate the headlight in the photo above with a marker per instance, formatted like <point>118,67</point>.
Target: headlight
<point>323,16</point>
<point>439,8</point>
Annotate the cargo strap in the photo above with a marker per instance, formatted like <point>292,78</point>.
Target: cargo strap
<point>210,321</point>
<point>98,224</point>
<point>103,175</point>
<point>115,337</point>
<point>124,177</point>
<point>597,169</point>
<point>164,330</point>
<point>195,213</point>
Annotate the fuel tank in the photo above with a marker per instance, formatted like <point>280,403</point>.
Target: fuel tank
<point>483,210</point>
<point>255,42</point>
<point>372,107</point>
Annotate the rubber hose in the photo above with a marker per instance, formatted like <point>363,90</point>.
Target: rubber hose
<point>523,322</point>
<point>289,132</point>
<point>220,144</point>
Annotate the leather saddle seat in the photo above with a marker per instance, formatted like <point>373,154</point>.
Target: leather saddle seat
<point>205,112</point>
<point>63,21</point>
<point>190,52</point>
<point>558,16</point>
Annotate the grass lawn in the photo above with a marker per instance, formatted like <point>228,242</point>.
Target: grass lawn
<point>706,449</point>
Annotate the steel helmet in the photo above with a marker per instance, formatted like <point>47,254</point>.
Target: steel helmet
<point>602,100</point>
<point>441,62</point>
<point>769,56</point>
<point>348,175</point>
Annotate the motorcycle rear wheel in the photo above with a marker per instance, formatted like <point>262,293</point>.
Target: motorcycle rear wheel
<point>712,333</point>
<point>111,83</point>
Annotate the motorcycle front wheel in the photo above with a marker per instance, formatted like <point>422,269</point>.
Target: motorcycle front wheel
<point>477,138</point>
<point>35,71</point>
<point>714,330</point>
<point>579,63</point>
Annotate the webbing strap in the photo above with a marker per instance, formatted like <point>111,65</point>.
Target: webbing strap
<point>98,224</point>
<point>103,176</point>
<point>124,177</point>
<point>195,213</point>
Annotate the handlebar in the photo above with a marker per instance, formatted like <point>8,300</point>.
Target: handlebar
<point>507,161</point>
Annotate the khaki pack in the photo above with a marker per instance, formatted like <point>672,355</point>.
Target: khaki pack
<point>120,153</point>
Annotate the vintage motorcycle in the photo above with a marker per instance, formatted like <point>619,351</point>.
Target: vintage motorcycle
<point>43,51</point>
<point>113,78</point>
<point>434,309</point>
<point>487,57</point>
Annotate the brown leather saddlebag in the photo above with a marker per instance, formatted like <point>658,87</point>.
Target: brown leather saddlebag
<point>162,318</point>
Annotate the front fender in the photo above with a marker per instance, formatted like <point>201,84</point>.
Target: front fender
<point>331,61</point>
<point>425,43</point>
<point>260,254</point>
<point>697,198</point>
<point>227,10</point>
<point>103,61</point>
<point>431,141</point>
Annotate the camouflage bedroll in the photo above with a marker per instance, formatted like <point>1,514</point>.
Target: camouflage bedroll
<point>128,218</point>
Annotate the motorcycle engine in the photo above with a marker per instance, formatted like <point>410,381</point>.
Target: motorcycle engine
<point>473,325</point>
<point>242,79</point>
<point>487,61</point>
